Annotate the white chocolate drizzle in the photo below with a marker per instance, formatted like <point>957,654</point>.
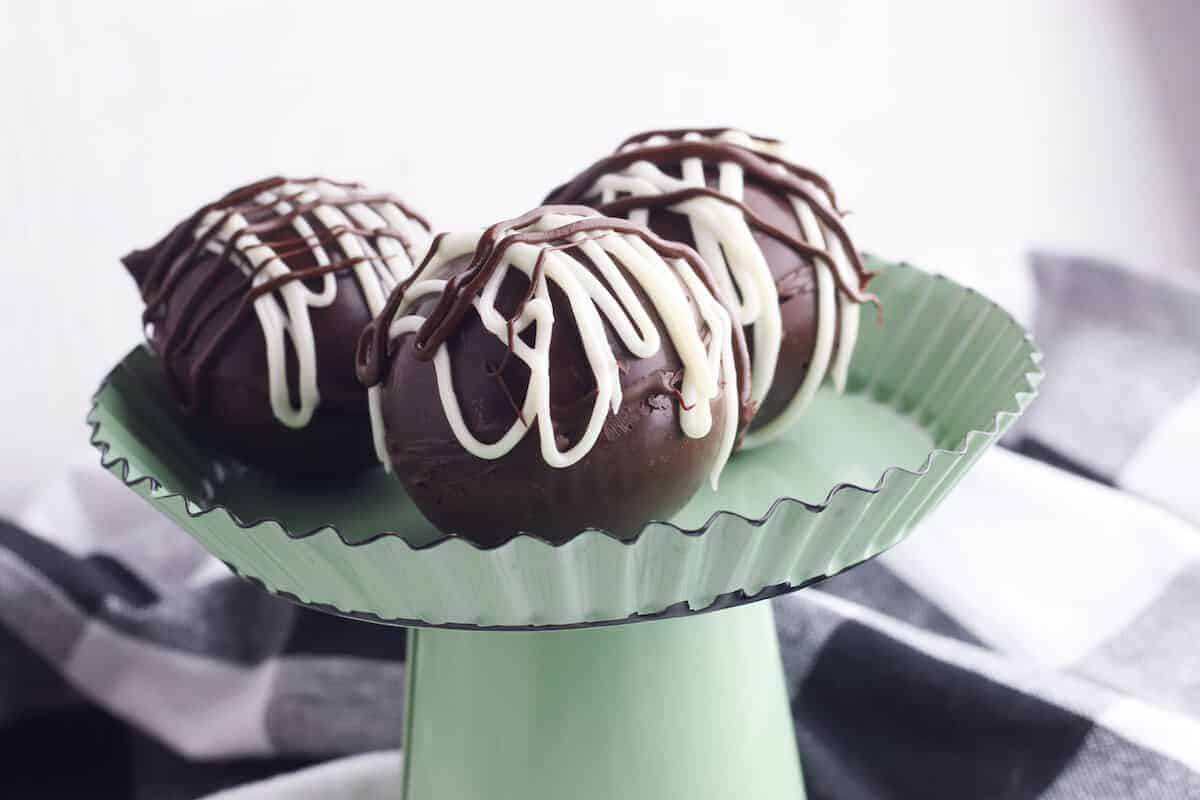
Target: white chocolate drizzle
<point>724,238</point>
<point>378,241</point>
<point>698,325</point>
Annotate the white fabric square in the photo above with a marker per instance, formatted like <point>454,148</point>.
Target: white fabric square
<point>1042,564</point>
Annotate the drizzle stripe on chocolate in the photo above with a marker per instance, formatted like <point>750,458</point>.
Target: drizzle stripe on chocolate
<point>672,276</point>
<point>632,182</point>
<point>344,228</point>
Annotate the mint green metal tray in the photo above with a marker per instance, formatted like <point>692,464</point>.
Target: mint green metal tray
<point>688,707</point>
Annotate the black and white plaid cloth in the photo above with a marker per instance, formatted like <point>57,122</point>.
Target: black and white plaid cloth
<point>1039,637</point>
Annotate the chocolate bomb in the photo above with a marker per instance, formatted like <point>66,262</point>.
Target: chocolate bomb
<point>555,372</point>
<point>254,305</point>
<point>770,230</point>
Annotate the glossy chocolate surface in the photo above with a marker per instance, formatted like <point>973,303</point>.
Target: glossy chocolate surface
<point>770,185</point>
<point>642,467</point>
<point>201,320</point>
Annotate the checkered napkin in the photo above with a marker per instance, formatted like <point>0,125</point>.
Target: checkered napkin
<point>1038,638</point>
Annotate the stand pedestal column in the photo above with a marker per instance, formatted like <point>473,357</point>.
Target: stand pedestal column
<point>685,708</point>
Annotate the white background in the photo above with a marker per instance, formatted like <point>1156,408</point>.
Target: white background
<point>961,134</point>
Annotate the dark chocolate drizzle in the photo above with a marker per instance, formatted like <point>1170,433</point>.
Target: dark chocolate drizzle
<point>375,351</point>
<point>757,165</point>
<point>679,133</point>
<point>709,133</point>
<point>159,269</point>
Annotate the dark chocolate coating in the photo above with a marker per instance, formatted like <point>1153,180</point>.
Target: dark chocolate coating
<point>795,279</point>
<point>774,225</point>
<point>201,323</point>
<point>642,467</point>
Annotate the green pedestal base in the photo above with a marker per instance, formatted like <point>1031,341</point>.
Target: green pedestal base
<point>690,708</point>
<point>672,710</point>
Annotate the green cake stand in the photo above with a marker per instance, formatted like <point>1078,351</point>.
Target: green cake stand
<point>640,669</point>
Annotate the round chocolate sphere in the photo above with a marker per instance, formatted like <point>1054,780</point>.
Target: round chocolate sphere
<point>552,373</point>
<point>254,305</point>
<point>771,232</point>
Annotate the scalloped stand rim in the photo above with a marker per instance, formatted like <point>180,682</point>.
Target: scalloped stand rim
<point>955,365</point>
